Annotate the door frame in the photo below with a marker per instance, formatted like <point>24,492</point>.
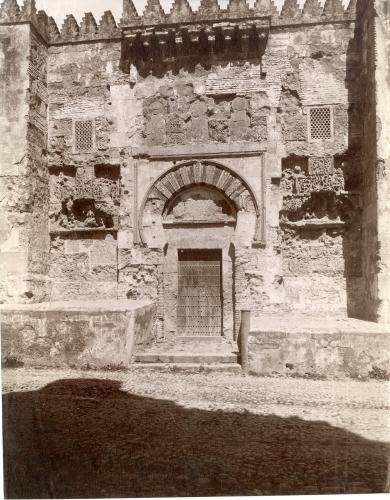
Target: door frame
<point>205,254</point>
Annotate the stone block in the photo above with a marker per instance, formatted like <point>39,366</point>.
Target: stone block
<point>89,335</point>
<point>326,348</point>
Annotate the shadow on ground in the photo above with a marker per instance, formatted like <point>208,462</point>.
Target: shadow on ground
<point>87,438</point>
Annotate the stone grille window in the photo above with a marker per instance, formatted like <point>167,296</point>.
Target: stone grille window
<point>320,123</point>
<point>83,135</point>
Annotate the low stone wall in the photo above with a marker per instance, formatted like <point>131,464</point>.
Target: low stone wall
<point>319,348</point>
<point>103,334</point>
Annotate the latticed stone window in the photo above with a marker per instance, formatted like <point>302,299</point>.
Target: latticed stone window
<point>320,123</point>
<point>84,135</point>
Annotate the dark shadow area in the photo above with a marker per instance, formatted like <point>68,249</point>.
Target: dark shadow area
<point>87,438</point>
<point>352,163</point>
<point>159,58</point>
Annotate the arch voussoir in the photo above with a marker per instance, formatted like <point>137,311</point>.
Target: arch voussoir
<point>198,173</point>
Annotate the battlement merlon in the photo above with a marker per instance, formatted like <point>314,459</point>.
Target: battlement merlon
<point>207,18</point>
<point>11,13</point>
<point>209,12</point>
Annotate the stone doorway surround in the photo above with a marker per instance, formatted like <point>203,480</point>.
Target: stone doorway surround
<point>201,204</point>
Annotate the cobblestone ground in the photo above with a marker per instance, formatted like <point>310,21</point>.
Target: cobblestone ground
<point>142,433</point>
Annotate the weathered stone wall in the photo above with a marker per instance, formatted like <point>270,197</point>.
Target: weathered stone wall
<point>372,35</point>
<point>250,118</point>
<point>24,179</point>
<point>38,244</point>
<point>382,23</point>
<point>303,266</point>
<point>85,185</point>
<point>118,119</point>
<point>344,348</point>
<point>319,218</point>
<point>100,334</point>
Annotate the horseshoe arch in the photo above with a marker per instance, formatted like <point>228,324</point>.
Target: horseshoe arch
<point>180,178</point>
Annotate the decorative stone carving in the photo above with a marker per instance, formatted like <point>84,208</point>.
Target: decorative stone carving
<point>89,199</point>
<point>175,129</point>
<point>81,214</point>
<point>177,116</point>
<point>323,207</point>
<point>195,174</point>
<point>322,177</point>
<point>199,205</point>
<point>321,166</point>
<point>318,218</point>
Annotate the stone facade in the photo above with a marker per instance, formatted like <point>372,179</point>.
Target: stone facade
<point>256,133</point>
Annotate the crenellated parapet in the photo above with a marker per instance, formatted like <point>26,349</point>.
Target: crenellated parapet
<point>12,13</point>
<point>182,24</point>
<point>210,10</point>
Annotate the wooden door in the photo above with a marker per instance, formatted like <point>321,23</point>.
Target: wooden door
<point>199,302</point>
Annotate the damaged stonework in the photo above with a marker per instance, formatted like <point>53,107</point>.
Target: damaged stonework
<point>24,241</point>
<point>208,161</point>
<point>320,222</point>
<point>180,116</point>
<point>333,349</point>
<point>95,335</point>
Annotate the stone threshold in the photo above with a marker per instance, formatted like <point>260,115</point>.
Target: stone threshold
<point>179,357</point>
<point>183,367</point>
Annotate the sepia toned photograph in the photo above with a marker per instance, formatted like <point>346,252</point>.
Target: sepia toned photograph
<point>195,248</point>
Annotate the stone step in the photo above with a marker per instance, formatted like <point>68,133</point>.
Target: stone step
<point>214,339</point>
<point>196,367</point>
<point>180,357</point>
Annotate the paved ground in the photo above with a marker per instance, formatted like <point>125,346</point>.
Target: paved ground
<point>141,433</point>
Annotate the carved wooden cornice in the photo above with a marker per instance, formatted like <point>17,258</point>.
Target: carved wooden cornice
<point>197,39</point>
